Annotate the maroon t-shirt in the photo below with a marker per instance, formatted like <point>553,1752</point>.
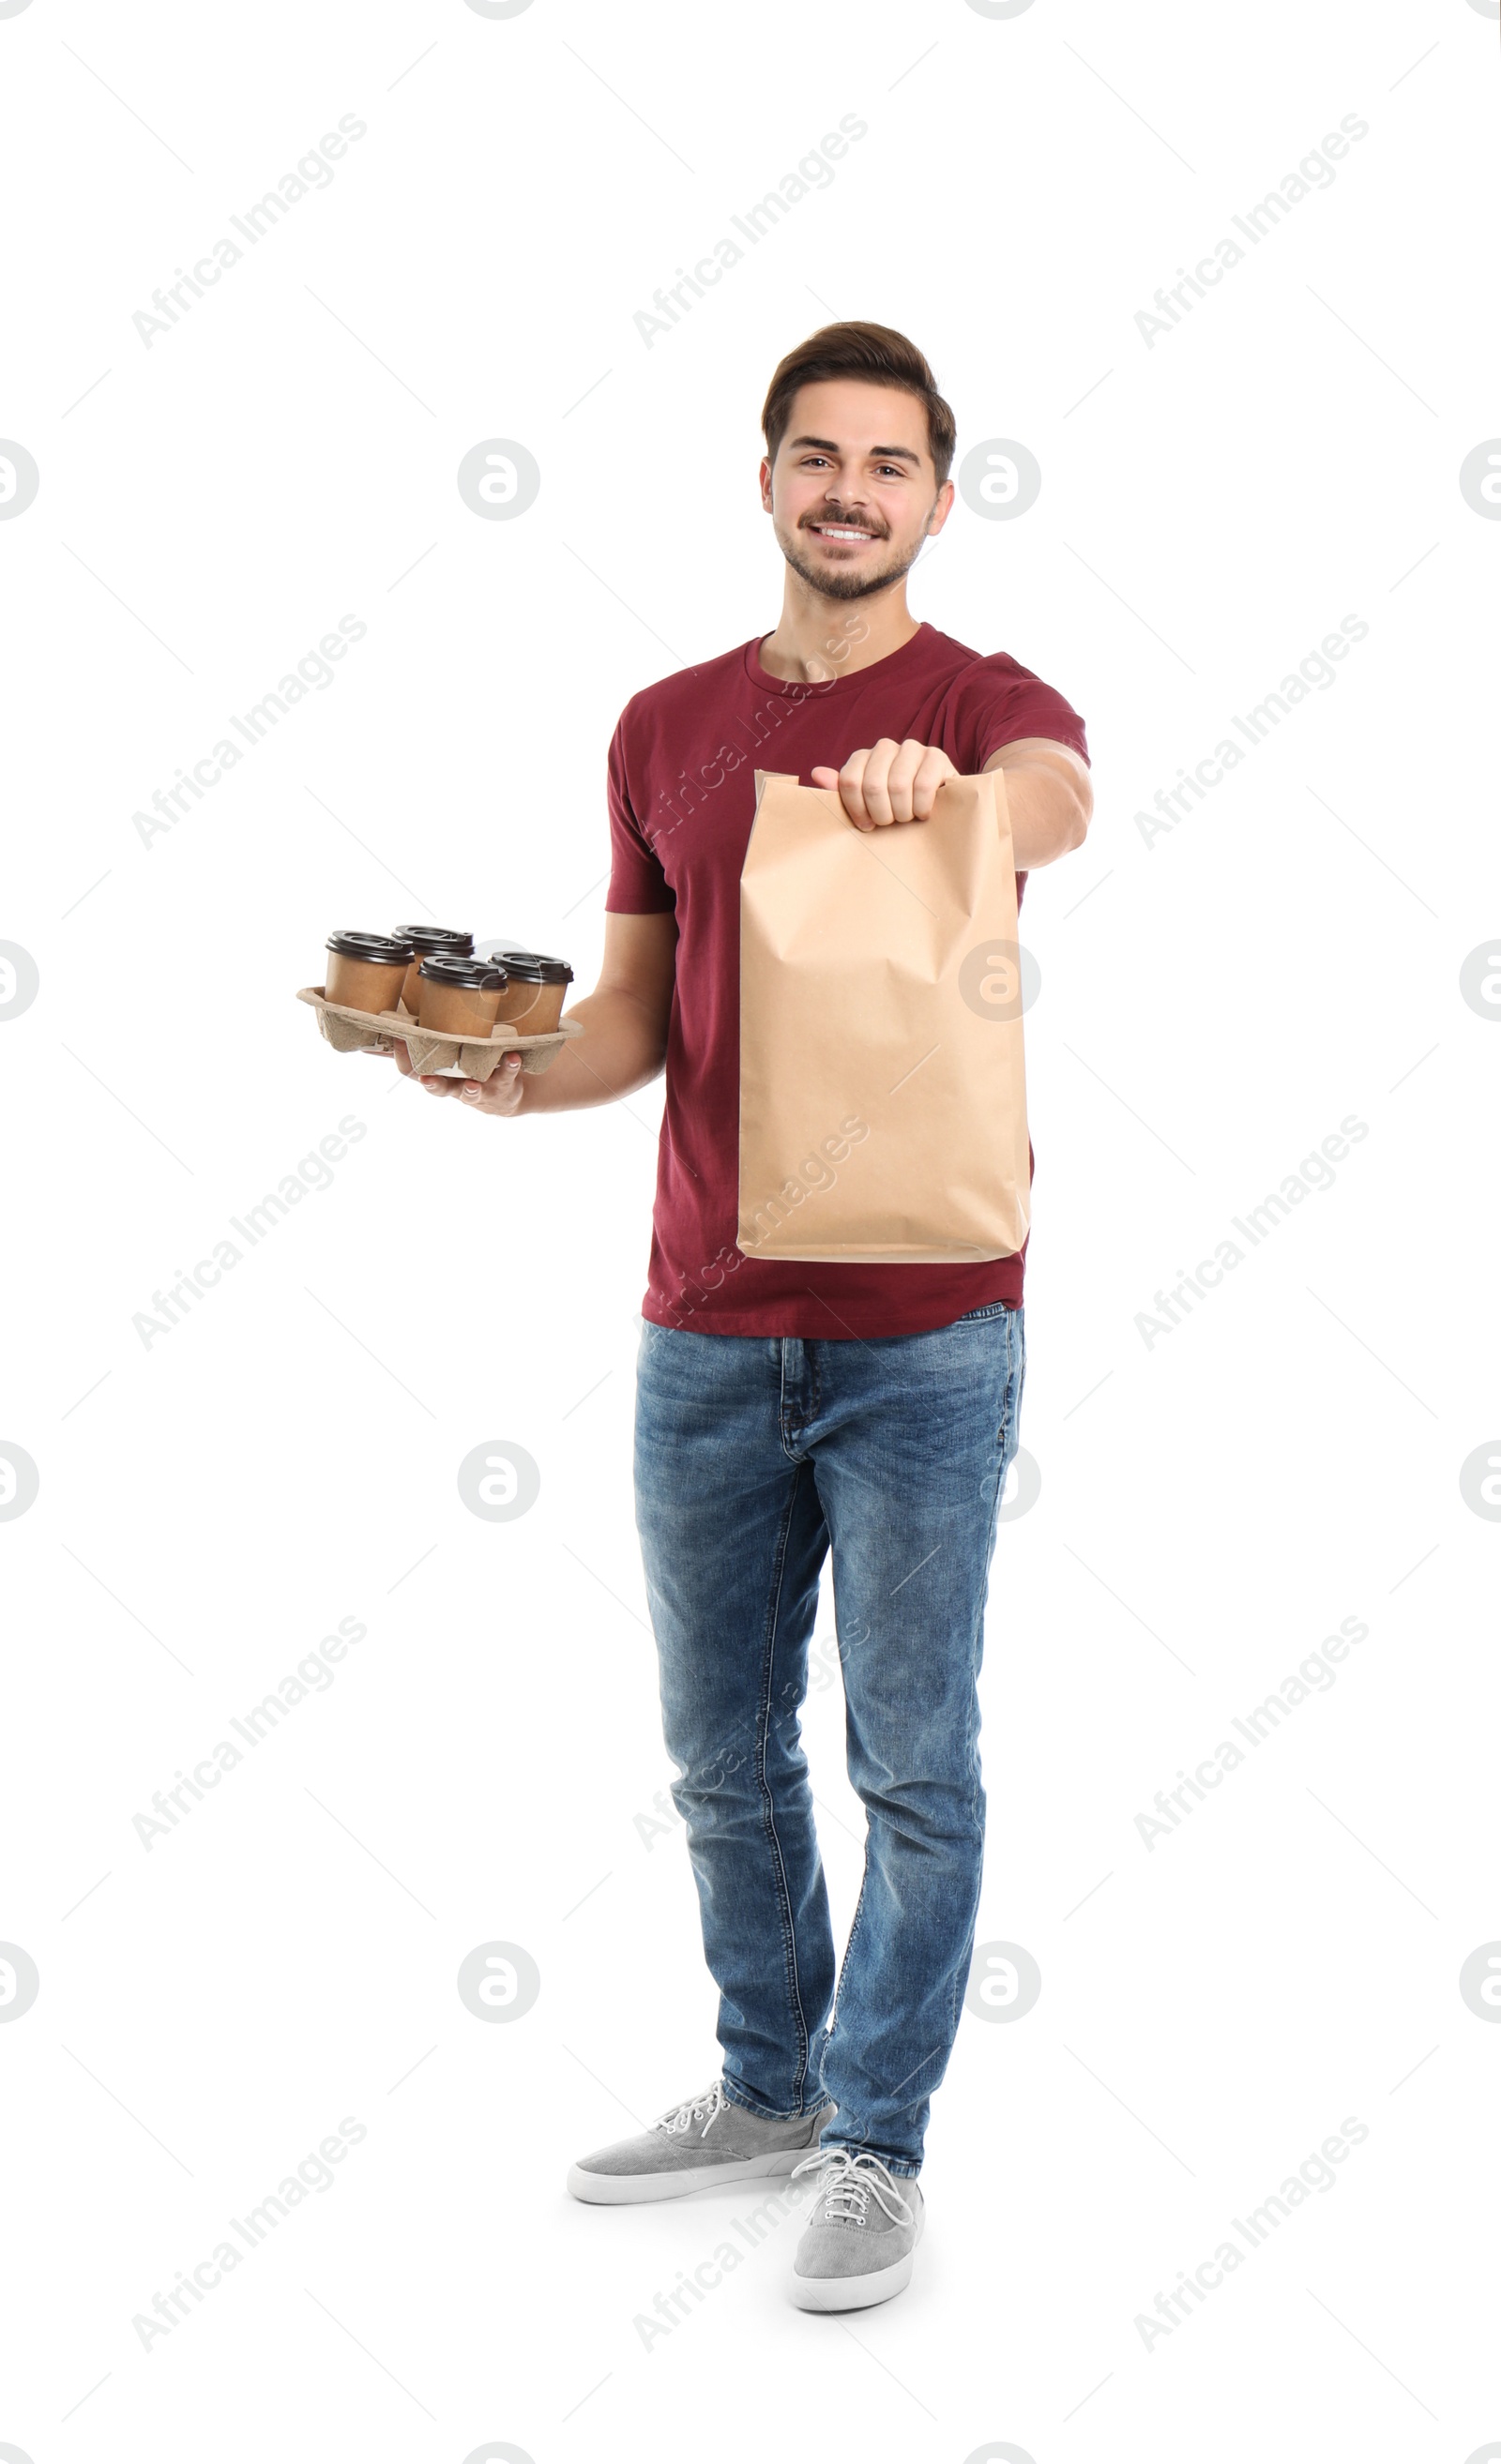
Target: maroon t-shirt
<point>682,800</point>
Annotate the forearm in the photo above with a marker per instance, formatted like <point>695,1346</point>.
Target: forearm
<point>1049,799</point>
<point>623,1047</point>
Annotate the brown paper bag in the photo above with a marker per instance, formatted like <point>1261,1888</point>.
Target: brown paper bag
<point>883,1100</point>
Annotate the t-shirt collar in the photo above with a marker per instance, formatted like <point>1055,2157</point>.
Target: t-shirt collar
<point>765,682</point>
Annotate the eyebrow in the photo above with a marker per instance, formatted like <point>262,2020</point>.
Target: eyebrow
<point>881,452</point>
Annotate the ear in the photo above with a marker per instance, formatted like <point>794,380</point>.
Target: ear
<point>943,507</point>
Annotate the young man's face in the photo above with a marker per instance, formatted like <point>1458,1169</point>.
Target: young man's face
<point>853,492</point>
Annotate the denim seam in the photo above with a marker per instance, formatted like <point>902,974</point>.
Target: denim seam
<point>855,1930</point>
<point>784,1414</point>
<point>1010,1409</point>
<point>768,1807</point>
<point>781,1399</point>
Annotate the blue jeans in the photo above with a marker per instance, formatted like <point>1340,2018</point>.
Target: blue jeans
<point>756,1456</point>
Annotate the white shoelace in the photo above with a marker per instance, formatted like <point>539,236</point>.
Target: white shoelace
<point>706,2107</point>
<point>853,2179</point>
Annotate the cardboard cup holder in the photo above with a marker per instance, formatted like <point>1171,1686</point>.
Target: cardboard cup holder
<point>432,1055</point>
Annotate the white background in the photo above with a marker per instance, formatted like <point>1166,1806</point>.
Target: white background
<point>1214,1002</point>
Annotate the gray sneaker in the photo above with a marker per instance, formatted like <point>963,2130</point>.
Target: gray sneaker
<point>705,2140</point>
<point>857,2244</point>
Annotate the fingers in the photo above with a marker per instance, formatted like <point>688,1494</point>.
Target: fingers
<point>846,784</point>
<point>504,1088</point>
<point>886,781</point>
<point>500,1094</point>
<point>887,784</point>
<point>927,779</point>
<point>861,781</point>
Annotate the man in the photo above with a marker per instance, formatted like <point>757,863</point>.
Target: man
<point>787,1409</point>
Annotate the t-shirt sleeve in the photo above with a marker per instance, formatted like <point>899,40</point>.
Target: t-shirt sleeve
<point>638,883</point>
<point>996,702</point>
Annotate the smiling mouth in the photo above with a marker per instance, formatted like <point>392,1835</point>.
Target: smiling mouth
<point>841,532</point>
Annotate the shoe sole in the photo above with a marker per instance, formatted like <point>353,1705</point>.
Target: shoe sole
<point>633,2190</point>
<point>857,2292</point>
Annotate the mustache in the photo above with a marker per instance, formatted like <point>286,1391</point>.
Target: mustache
<point>841,522</point>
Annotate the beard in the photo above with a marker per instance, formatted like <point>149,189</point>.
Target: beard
<point>834,583</point>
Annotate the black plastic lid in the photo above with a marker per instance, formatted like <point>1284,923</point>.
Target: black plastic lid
<point>476,974</point>
<point>383,948</point>
<point>535,969</point>
<point>436,940</point>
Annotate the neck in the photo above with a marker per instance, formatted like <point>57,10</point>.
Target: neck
<point>818,637</point>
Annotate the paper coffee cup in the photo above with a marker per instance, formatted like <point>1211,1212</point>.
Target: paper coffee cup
<point>365,970</point>
<point>430,942</point>
<point>459,996</point>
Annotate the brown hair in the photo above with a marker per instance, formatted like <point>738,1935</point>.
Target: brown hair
<point>875,353</point>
